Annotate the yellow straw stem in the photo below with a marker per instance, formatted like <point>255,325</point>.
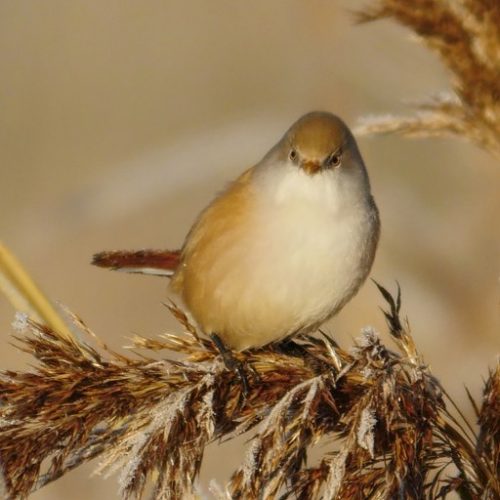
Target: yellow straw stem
<point>25,296</point>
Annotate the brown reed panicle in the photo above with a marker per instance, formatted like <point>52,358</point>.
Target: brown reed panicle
<point>466,36</point>
<point>387,427</point>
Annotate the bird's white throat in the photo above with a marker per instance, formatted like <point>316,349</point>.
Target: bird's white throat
<point>329,190</point>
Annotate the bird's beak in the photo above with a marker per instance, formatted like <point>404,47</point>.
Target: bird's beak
<point>311,167</point>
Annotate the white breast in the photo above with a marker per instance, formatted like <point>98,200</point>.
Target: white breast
<point>309,250</point>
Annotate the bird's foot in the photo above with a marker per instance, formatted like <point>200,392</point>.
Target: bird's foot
<point>232,363</point>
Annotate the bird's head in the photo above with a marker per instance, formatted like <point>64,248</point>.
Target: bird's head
<point>318,141</point>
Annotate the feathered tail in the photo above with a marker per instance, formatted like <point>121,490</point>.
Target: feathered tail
<point>154,262</point>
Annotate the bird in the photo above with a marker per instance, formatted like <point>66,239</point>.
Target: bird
<point>282,248</point>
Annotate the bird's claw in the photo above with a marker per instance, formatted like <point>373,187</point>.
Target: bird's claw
<point>232,363</point>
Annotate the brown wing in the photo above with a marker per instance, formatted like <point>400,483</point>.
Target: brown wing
<point>155,262</point>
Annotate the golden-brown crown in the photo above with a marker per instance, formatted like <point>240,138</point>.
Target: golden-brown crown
<point>317,135</point>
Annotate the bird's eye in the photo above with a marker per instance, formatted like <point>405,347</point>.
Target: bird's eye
<point>292,155</point>
<point>335,159</point>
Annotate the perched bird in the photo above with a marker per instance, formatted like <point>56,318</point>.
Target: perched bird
<point>283,247</point>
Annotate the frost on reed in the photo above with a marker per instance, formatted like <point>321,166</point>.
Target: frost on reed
<point>387,427</point>
<point>466,36</point>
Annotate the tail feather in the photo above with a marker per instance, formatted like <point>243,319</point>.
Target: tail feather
<point>154,262</point>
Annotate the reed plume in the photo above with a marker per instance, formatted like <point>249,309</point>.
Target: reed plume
<point>466,36</point>
<point>387,425</point>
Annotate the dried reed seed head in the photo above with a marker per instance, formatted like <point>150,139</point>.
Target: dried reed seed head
<point>466,35</point>
<point>152,419</point>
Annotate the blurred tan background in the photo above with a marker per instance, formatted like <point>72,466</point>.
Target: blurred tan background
<point>120,120</point>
